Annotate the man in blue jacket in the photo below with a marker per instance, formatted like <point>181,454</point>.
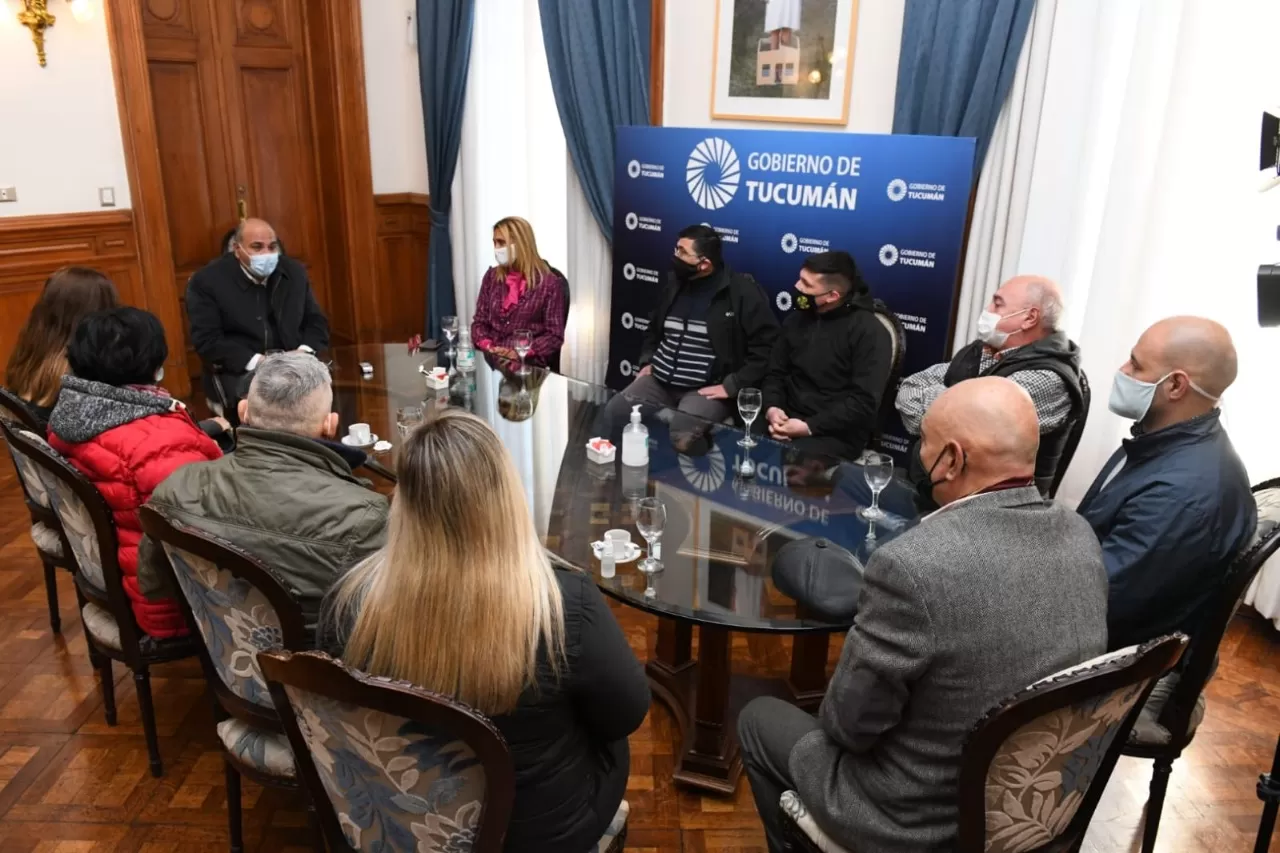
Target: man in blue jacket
<point>1172,506</point>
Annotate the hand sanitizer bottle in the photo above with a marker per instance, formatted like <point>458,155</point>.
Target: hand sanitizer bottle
<point>635,441</point>
<point>466,354</point>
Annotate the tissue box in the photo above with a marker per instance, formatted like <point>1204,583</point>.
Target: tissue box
<point>601,451</point>
<point>437,378</point>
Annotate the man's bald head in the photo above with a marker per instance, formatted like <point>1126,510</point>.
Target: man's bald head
<point>252,231</point>
<point>1030,307</point>
<point>1192,358</point>
<point>978,433</point>
<point>1201,347</point>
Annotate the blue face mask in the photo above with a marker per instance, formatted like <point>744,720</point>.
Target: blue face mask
<point>1131,398</point>
<point>263,265</point>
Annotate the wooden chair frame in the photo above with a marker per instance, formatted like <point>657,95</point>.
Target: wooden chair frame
<point>996,726</point>
<point>1200,662</point>
<point>112,597</point>
<point>227,704</point>
<point>15,416</point>
<point>317,673</point>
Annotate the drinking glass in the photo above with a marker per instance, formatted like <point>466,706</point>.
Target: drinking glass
<point>449,325</point>
<point>749,400</point>
<point>651,517</point>
<point>877,470</point>
<point>523,344</point>
<point>408,418</point>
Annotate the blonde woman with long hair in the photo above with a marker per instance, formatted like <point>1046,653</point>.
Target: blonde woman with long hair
<point>522,292</point>
<point>463,600</point>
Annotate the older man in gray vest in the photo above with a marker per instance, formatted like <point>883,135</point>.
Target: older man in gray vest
<point>1019,337</point>
<point>994,591</point>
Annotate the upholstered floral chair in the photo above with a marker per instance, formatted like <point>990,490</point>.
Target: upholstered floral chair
<point>1175,708</point>
<point>46,531</point>
<point>111,632</point>
<point>237,608</point>
<point>394,767</point>
<point>1035,765</point>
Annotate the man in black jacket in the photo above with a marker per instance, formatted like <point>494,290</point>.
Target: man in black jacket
<point>249,302</point>
<point>1018,338</point>
<point>830,363</point>
<point>709,337</point>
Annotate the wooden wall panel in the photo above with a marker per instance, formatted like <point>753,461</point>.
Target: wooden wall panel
<point>32,247</point>
<point>404,229</point>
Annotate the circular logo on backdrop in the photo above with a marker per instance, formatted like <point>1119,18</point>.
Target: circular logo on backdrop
<point>628,322</point>
<point>713,173</point>
<point>632,221</point>
<point>633,168</point>
<point>789,243</point>
<point>897,189</point>
<point>704,473</point>
<point>783,300</point>
<point>625,368</point>
<point>629,272</point>
<point>888,254</point>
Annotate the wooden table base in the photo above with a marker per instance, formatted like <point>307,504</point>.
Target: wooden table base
<point>705,697</point>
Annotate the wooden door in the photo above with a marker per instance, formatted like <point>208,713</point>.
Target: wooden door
<point>229,92</point>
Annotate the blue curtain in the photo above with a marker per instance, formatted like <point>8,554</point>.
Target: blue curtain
<point>956,66</point>
<point>598,54</point>
<point>444,49</point>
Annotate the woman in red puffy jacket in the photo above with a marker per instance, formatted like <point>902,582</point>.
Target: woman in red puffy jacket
<point>126,434</point>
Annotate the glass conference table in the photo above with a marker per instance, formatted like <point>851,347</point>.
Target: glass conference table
<point>721,534</point>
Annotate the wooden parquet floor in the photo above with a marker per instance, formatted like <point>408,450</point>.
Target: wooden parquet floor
<point>71,784</point>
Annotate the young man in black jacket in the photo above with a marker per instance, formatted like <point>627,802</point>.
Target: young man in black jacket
<point>830,363</point>
<point>709,337</point>
<point>246,303</point>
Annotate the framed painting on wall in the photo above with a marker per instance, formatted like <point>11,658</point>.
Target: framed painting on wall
<point>784,60</point>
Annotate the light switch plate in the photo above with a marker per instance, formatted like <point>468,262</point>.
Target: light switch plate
<point>8,193</point>
<point>107,196</point>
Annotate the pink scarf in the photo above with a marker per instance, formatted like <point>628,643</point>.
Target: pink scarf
<point>515,286</point>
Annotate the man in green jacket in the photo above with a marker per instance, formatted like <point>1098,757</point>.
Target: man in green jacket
<point>286,495</point>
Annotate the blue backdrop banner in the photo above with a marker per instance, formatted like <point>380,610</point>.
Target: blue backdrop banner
<point>897,203</point>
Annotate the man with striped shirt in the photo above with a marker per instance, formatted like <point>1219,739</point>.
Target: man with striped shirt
<point>710,336</point>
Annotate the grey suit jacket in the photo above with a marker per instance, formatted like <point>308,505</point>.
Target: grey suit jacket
<point>974,604</point>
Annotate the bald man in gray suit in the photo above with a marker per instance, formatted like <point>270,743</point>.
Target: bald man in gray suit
<point>994,591</point>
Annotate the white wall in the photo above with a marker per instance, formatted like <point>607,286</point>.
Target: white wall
<point>690,38</point>
<point>59,125</point>
<point>396,133</point>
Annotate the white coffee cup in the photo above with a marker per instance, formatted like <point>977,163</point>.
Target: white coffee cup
<point>359,433</point>
<point>618,542</point>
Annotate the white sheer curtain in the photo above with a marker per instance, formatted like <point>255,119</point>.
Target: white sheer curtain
<point>1004,187</point>
<point>590,269</point>
<point>513,162</point>
<point>1141,195</point>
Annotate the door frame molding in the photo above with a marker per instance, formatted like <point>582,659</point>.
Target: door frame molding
<point>342,32</point>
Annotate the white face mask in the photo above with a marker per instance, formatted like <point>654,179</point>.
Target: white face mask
<point>264,265</point>
<point>160,375</point>
<point>1131,398</point>
<point>505,255</point>
<point>987,331</point>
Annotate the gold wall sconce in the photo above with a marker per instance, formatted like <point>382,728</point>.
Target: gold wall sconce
<point>35,16</point>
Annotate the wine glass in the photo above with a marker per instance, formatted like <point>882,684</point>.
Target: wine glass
<point>523,345</point>
<point>651,516</point>
<point>877,470</point>
<point>449,325</point>
<point>749,401</point>
<point>408,418</point>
